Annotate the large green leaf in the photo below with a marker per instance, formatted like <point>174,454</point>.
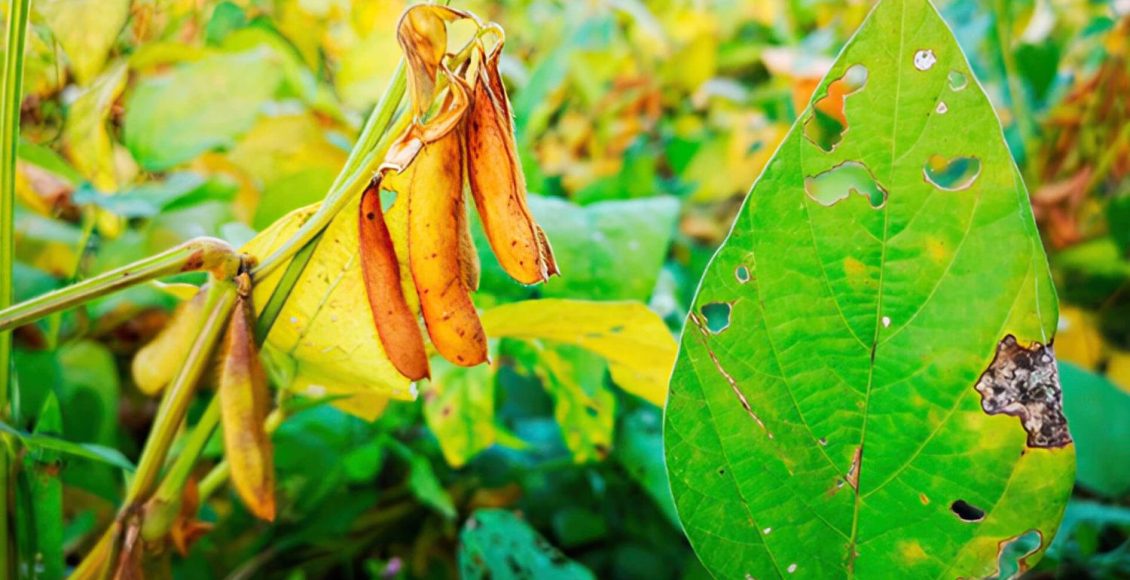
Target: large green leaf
<point>1100,414</point>
<point>198,106</point>
<point>824,418</point>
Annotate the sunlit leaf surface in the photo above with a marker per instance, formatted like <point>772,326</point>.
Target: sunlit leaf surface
<point>825,416</point>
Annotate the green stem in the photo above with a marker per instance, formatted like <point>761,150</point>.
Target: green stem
<point>162,509</point>
<point>350,181</point>
<point>215,478</point>
<point>11,95</point>
<point>178,395</point>
<point>174,404</point>
<point>193,255</point>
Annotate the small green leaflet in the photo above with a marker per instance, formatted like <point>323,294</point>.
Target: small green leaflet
<point>863,386</point>
<point>85,450</point>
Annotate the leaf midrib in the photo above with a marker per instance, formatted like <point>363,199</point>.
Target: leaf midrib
<point>851,555</point>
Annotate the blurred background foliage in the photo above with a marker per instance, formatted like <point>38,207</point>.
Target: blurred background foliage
<point>641,125</point>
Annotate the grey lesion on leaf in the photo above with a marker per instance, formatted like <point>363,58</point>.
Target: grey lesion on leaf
<point>1023,382</point>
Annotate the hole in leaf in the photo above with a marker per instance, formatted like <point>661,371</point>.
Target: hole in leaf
<point>942,108</point>
<point>828,123</point>
<point>388,197</point>
<point>957,80</point>
<point>967,512</point>
<point>717,316</point>
<point>1012,553</point>
<point>839,182</point>
<point>952,174</point>
<point>742,274</point>
<point>924,59</point>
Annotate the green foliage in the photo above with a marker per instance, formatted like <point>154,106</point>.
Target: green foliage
<point>498,544</point>
<point>641,125</point>
<point>818,425</point>
<point>199,106</point>
<point>1099,413</point>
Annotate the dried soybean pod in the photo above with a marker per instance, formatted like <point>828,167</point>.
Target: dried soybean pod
<point>396,323</point>
<point>497,182</point>
<point>243,410</point>
<point>434,186</point>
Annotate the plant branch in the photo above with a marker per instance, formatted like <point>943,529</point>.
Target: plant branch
<point>350,181</point>
<point>194,255</point>
<point>12,97</point>
<point>178,395</point>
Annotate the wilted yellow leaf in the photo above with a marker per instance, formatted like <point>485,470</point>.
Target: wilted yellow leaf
<point>639,348</point>
<point>86,29</point>
<point>85,134</point>
<point>1078,340</point>
<point>325,328</point>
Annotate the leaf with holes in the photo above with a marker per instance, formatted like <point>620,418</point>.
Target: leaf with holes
<point>866,382</point>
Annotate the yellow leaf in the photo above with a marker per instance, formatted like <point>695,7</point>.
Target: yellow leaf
<point>1078,340</point>
<point>639,348</point>
<point>325,328</point>
<point>85,134</point>
<point>1117,367</point>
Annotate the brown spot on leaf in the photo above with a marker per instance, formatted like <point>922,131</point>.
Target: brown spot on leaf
<point>1023,382</point>
<point>853,471</point>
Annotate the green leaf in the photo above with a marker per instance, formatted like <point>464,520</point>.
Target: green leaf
<point>459,409</point>
<point>422,480</point>
<point>639,448</point>
<point>610,250</point>
<point>146,201</point>
<point>583,407</point>
<point>1099,413</point>
<point>824,417</point>
<point>46,493</point>
<point>498,544</point>
<point>86,29</point>
<point>40,442</point>
<point>198,107</point>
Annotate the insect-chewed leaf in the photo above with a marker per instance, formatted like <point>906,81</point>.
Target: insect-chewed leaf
<point>243,410</point>
<point>497,182</point>
<point>433,186</point>
<point>825,416</point>
<point>394,318</point>
<point>318,341</point>
<point>157,362</point>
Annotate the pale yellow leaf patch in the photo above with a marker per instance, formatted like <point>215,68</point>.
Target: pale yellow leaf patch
<point>325,328</point>
<point>639,348</point>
